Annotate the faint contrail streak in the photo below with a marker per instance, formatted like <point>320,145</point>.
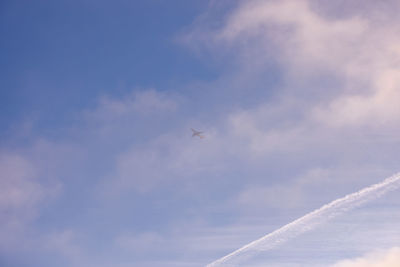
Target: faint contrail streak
<point>309,221</point>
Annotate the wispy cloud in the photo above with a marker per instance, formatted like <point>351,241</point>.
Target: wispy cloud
<point>310,221</point>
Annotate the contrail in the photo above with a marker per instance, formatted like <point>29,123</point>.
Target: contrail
<point>309,221</point>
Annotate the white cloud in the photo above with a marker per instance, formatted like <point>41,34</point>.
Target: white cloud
<point>145,102</point>
<point>358,50</point>
<point>26,186</point>
<point>281,196</point>
<point>263,134</point>
<point>64,242</point>
<point>170,158</point>
<point>298,192</point>
<point>304,40</point>
<point>18,185</point>
<point>20,194</point>
<point>133,114</point>
<point>377,108</point>
<point>383,258</point>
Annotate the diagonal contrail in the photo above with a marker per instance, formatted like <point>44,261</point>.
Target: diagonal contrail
<point>309,221</point>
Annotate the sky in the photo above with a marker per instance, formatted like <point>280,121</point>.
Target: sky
<point>297,99</point>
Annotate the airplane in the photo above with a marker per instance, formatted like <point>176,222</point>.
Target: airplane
<point>197,133</point>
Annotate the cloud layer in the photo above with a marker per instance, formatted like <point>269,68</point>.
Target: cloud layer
<point>301,109</point>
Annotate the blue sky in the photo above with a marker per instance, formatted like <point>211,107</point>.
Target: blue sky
<point>298,101</point>
<point>72,51</point>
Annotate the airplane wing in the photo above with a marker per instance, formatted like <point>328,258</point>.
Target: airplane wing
<point>194,133</point>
